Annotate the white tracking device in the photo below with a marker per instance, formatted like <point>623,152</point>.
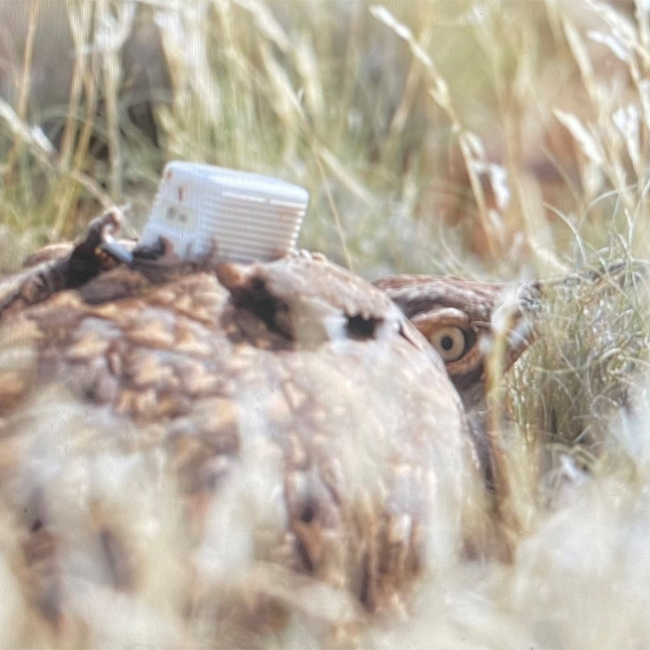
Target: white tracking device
<point>248,216</point>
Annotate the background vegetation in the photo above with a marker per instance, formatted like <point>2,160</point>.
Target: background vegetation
<point>496,137</point>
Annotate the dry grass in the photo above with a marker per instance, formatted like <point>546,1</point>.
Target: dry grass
<point>431,135</point>
<point>483,138</point>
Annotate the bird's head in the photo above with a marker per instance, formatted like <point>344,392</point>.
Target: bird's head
<point>468,324</point>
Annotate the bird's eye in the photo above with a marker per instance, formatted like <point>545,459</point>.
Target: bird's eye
<point>449,342</point>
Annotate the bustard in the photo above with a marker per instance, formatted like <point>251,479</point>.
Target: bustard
<point>286,418</point>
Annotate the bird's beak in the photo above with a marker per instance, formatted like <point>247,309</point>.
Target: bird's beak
<point>514,322</point>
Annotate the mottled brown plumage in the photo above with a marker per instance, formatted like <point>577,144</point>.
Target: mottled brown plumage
<point>304,428</point>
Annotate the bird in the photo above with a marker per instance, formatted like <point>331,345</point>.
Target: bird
<point>208,448</point>
<point>464,321</point>
<point>479,330</point>
<point>461,318</point>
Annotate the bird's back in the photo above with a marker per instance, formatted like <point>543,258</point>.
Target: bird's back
<point>284,421</point>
